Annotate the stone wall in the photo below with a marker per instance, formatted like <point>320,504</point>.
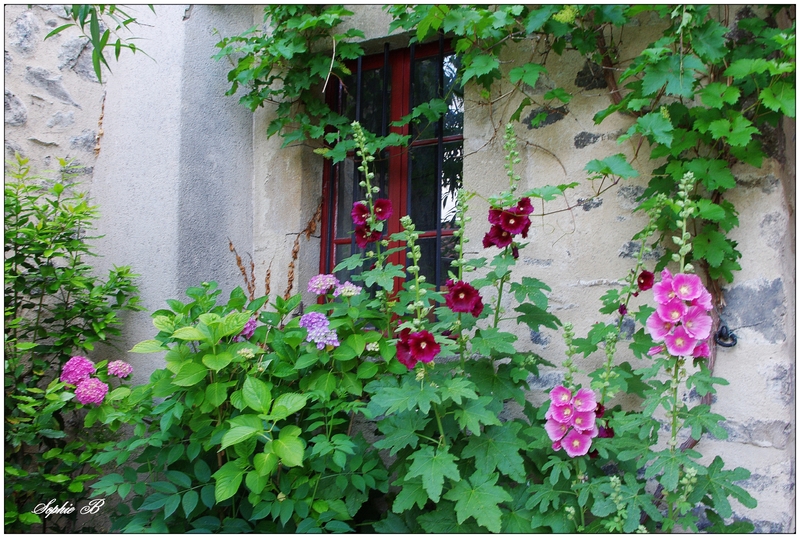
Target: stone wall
<point>181,168</point>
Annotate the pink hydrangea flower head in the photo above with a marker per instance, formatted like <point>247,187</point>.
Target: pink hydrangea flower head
<point>120,369</point>
<point>348,289</point>
<point>561,413</point>
<point>320,284</point>
<point>359,213</point>
<point>383,208</point>
<point>77,369</point>
<point>91,390</point>
<point>249,328</point>
<point>584,400</point>
<point>701,350</point>
<point>555,430</point>
<point>423,346</point>
<point>583,421</point>
<point>697,323</point>
<point>576,443</point>
<point>657,327</point>
<point>672,311</point>
<point>687,286</point>
<point>560,395</point>
<point>679,343</point>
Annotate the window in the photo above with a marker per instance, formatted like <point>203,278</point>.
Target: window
<point>421,180</point>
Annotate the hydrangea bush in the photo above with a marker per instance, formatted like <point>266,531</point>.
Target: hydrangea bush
<point>254,425</point>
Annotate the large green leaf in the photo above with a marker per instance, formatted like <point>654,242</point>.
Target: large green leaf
<point>228,479</point>
<point>287,404</point>
<point>433,465</point>
<point>237,434</point>
<point>479,498</point>
<point>288,447</point>
<point>256,394</point>
<point>498,448</point>
<point>190,374</point>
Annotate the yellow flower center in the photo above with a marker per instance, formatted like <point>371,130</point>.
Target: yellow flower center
<point>675,314</point>
<point>567,412</point>
<point>578,402</point>
<point>679,341</point>
<point>579,420</point>
<point>684,290</point>
<point>422,345</point>
<point>576,443</point>
<point>461,295</point>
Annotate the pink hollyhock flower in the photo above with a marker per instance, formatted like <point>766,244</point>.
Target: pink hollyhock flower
<point>701,350</point>
<point>583,421</point>
<point>584,400</point>
<point>679,343</point>
<point>645,280</point>
<point>662,291</point>
<point>576,444</point>
<point>364,236</point>
<point>560,395</point>
<point>555,430</point>
<point>360,213</point>
<point>556,446</point>
<point>497,236</point>
<point>463,297</point>
<point>404,355</point>
<point>697,323</point>
<point>657,327</point>
<point>561,413</point>
<point>687,286</point>
<point>655,350</point>
<point>120,369</point>
<point>704,300</point>
<point>91,390</point>
<point>319,284</point>
<point>382,208</point>
<point>77,369</point>
<point>423,346</point>
<point>672,311</point>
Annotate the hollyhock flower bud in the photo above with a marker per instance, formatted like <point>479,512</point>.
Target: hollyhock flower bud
<point>556,446</point>
<point>91,390</point>
<point>600,410</point>
<point>77,369</point>
<point>605,433</point>
<point>359,213</point>
<point>622,310</point>
<point>655,350</point>
<point>120,369</point>
<point>383,208</point>
<point>645,280</point>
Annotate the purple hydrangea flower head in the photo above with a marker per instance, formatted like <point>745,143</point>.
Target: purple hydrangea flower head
<point>320,284</point>
<point>319,330</point>
<point>348,289</point>
<point>247,331</point>
<point>91,390</point>
<point>120,369</point>
<point>77,369</point>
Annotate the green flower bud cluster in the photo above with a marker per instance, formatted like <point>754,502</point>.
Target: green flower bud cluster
<point>683,241</point>
<point>617,523</point>
<point>512,156</point>
<point>608,374</point>
<point>566,15</point>
<point>569,365</point>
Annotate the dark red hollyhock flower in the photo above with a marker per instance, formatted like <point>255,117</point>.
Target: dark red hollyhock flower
<point>514,223</point>
<point>524,206</point>
<point>600,410</point>
<point>462,297</point>
<point>404,350</point>
<point>383,208</point>
<point>525,228</point>
<point>497,236</point>
<point>364,236</point>
<point>623,309</point>
<point>423,347</point>
<point>645,280</point>
<point>605,433</point>
<point>515,251</point>
<point>360,213</point>
<point>495,216</point>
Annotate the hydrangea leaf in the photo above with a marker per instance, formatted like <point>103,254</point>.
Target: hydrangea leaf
<point>433,465</point>
<point>479,498</point>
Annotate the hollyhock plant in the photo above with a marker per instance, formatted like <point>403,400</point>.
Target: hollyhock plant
<point>120,369</point>
<point>91,390</point>
<point>463,297</point>
<point>359,213</point>
<point>77,369</point>
<point>382,208</point>
<point>576,443</point>
<point>497,236</point>
<point>365,236</point>
<point>679,343</point>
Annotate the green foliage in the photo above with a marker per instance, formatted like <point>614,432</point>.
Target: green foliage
<point>55,307</point>
<point>105,22</point>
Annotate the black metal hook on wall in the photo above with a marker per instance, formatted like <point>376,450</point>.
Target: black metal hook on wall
<point>725,337</point>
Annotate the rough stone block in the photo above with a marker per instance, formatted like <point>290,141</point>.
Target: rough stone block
<point>49,82</point>
<point>763,433</point>
<point>23,36</point>
<point>85,141</point>
<point>590,203</point>
<point>585,138</point>
<point>759,306</point>
<point>15,111</point>
<point>61,119</point>
<point>553,115</point>
<point>631,250</point>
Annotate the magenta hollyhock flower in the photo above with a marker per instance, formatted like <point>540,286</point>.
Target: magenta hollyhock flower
<point>77,369</point>
<point>600,410</point>
<point>672,311</point>
<point>576,444</point>
<point>657,327</point>
<point>404,350</point>
<point>584,400</point>
<point>701,350</point>
<point>622,310</point>
<point>365,236</point>
<point>359,213</point>
<point>120,369</point>
<point>663,292</point>
<point>560,395</point>
<point>524,206</point>
<point>320,284</point>
<point>463,297</point>
<point>382,208</point>
<point>697,323</point>
<point>556,446</point>
<point>423,346</point>
<point>704,300</point>
<point>561,413</point>
<point>91,390</point>
<point>679,343</point>
<point>645,280</point>
<point>555,430</point>
<point>687,286</point>
<point>497,236</point>
<point>605,433</point>
<point>583,421</point>
<point>512,222</point>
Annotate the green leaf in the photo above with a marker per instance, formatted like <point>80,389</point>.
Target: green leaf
<point>745,67</point>
<point>560,94</point>
<point>189,334</point>
<point>407,397</point>
<point>287,404</point>
<point>535,317</point>
<point>498,448</point>
<point>708,40</point>
<point>237,434</point>
<point>412,493</point>
<point>228,479</point>
<point>288,447</point>
<point>172,504</point>
<point>180,479</point>
<point>190,374</point>
<point>615,165</point>
<point>719,485</point>
<point>265,463</point>
<point>481,65</point>
<point>717,94</point>
<point>149,346</point>
<point>216,393</point>
<point>433,465</point>
<point>400,431</point>
<point>455,388</point>
<point>489,340</point>
<point>474,413</point>
<point>219,361</point>
<point>781,96</point>
<point>713,246</point>
<point>656,127</point>
<point>256,394</point>
<point>479,497</point>
<point>528,73</point>
<point>189,502</point>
